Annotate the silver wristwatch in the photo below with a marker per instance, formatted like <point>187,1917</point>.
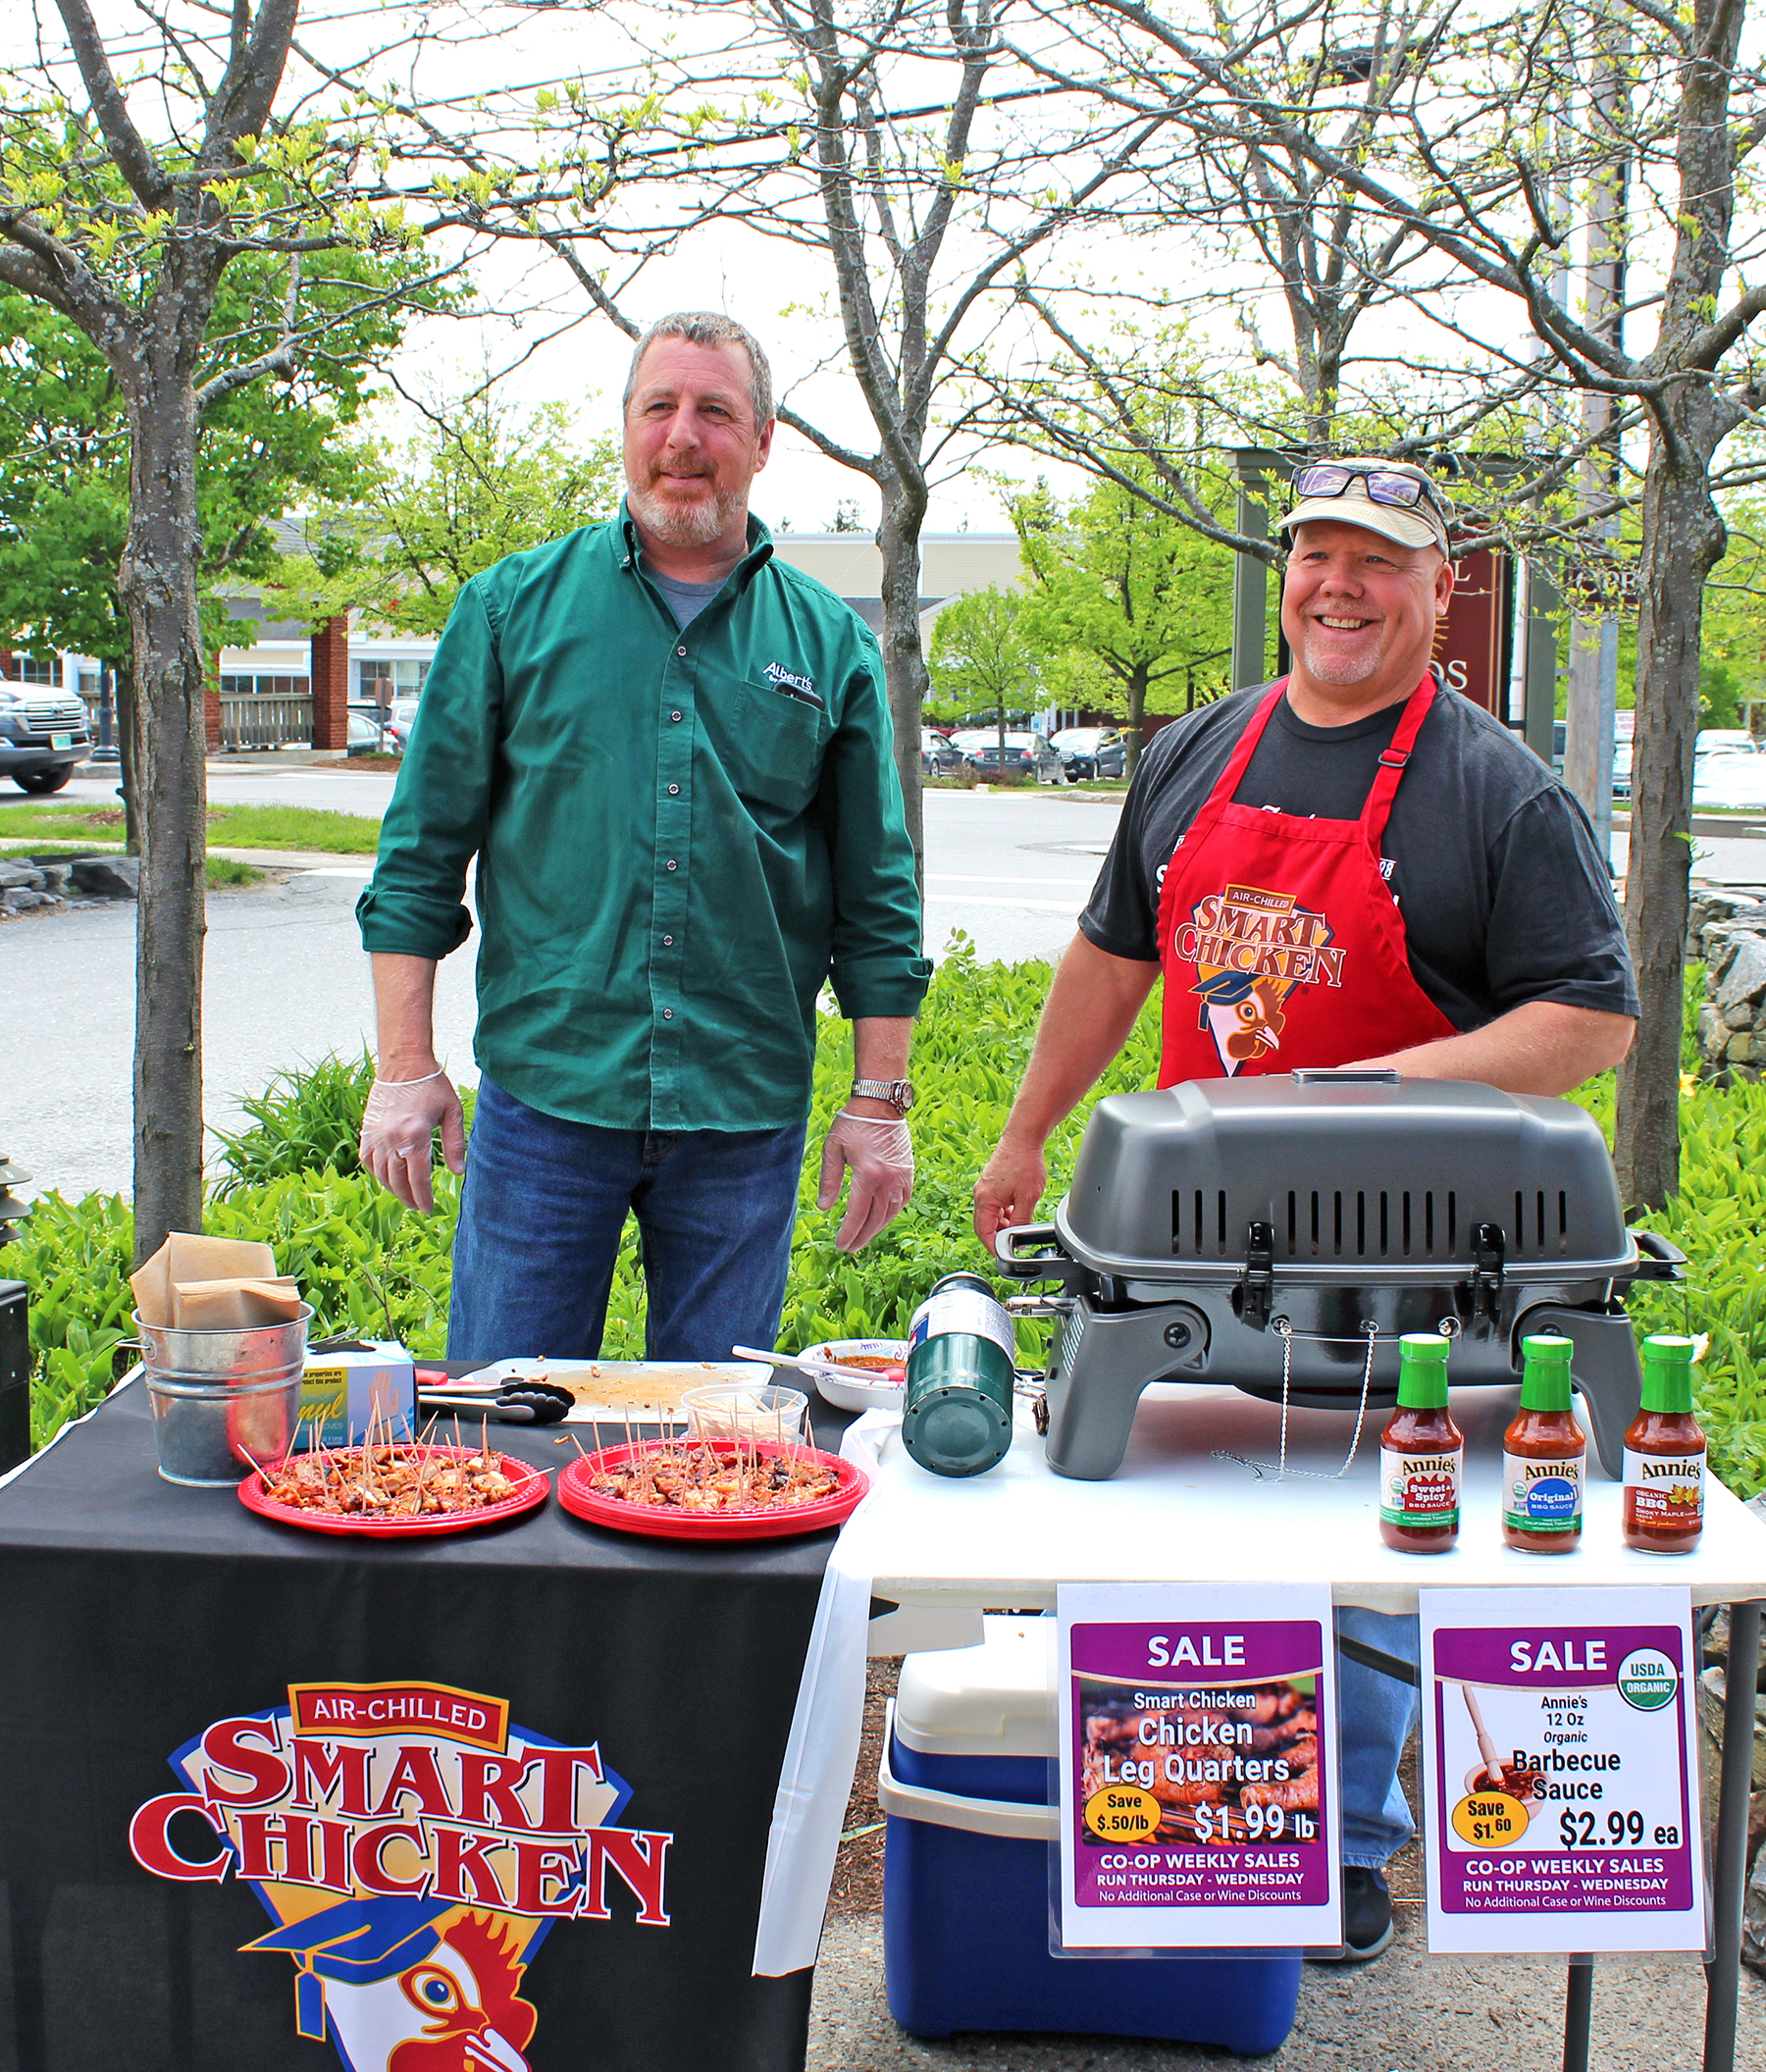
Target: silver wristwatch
<point>898,1093</point>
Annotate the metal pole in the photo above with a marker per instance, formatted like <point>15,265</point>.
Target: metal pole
<point>1723,1980</point>
<point>1541,665</point>
<point>1250,587</point>
<point>1579,2012</point>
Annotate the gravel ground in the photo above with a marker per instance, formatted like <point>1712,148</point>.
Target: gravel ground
<point>1404,2011</point>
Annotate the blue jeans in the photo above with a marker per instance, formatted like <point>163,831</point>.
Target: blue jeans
<point>1377,1712</point>
<point>541,1216</point>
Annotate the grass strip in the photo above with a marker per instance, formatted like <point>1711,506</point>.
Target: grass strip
<point>231,826</point>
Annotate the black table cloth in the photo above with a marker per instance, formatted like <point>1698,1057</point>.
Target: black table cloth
<point>141,1622</point>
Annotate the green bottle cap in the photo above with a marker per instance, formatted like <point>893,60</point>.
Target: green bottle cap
<point>1668,1374</point>
<point>1545,1378</point>
<point>1423,1371</point>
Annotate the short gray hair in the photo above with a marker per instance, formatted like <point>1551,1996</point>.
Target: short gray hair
<point>708,327</point>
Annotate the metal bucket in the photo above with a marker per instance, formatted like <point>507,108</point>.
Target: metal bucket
<point>224,1402</point>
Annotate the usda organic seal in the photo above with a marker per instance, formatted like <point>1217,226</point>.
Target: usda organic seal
<point>1647,1679</point>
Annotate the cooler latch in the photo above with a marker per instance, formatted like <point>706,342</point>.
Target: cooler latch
<point>1488,1246</point>
<point>1258,1282</point>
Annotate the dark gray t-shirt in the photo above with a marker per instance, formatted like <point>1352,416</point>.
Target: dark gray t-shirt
<point>1493,864</point>
<point>685,600</point>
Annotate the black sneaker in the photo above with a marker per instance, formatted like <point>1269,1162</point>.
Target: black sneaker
<point>1367,1915</point>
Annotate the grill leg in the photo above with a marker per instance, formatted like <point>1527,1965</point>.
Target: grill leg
<point>1723,1980</point>
<point>1579,2012</point>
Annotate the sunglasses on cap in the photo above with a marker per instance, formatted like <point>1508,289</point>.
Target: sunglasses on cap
<point>1390,486</point>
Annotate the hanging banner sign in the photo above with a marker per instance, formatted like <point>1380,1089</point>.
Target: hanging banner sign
<point>1197,1771</point>
<point>1560,1771</point>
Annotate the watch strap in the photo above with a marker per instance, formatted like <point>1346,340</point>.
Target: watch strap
<point>898,1093</point>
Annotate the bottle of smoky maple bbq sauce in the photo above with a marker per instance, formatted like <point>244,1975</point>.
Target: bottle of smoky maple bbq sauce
<point>1664,1456</point>
<point>1421,1452</point>
<point>1545,1453</point>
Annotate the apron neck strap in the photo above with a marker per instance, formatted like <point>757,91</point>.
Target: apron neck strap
<point>1392,760</point>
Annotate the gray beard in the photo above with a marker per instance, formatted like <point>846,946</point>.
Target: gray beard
<point>683,525</point>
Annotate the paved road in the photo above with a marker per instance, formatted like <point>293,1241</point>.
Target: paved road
<point>287,981</point>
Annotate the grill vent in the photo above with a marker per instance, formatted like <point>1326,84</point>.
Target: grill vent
<point>1391,1223</point>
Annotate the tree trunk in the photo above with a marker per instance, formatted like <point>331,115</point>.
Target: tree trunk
<point>1137,719</point>
<point>158,586</point>
<point>1683,541</point>
<point>904,661</point>
<point>124,720</point>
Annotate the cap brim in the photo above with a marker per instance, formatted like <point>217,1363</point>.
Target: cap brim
<point>1407,528</point>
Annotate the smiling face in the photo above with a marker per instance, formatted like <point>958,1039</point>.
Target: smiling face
<point>692,446</point>
<point>1360,614</point>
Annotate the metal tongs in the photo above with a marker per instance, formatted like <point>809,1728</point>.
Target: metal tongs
<point>502,1399</point>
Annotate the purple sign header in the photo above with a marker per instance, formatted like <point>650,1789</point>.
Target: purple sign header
<point>1546,1657</point>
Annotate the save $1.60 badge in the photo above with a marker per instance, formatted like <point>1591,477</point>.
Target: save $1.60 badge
<point>1559,1771</point>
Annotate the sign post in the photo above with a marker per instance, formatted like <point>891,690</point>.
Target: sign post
<point>1198,1768</point>
<point>1559,1771</point>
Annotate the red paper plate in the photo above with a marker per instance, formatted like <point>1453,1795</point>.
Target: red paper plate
<point>661,1522</point>
<point>531,1491</point>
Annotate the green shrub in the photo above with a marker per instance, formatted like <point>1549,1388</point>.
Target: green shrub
<point>368,1264</point>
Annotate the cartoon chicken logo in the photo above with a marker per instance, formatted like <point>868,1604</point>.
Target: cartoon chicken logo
<point>413,1984</point>
<point>413,1846</point>
<point>1250,948</point>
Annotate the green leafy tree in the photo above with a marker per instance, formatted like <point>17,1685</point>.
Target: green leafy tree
<point>265,449</point>
<point>1142,599</point>
<point>485,479</point>
<point>984,657</point>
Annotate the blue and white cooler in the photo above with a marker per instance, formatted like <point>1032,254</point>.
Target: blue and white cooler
<point>965,1785</point>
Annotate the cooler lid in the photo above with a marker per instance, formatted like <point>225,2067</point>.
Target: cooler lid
<point>995,1699</point>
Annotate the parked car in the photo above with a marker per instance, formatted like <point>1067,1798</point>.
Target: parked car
<point>44,736</point>
<point>1734,783</point>
<point>1026,755</point>
<point>1091,751</point>
<point>1622,770</point>
<point>367,736</point>
<point>940,756</point>
<point>399,722</point>
<point>1725,740</point>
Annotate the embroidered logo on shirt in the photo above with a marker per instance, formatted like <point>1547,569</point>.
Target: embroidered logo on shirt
<point>803,686</point>
<point>1250,948</point>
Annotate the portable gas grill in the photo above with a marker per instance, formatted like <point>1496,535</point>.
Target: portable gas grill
<point>1282,1232</point>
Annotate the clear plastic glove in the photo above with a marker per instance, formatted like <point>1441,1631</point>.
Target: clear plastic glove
<point>880,1153</point>
<point>398,1126</point>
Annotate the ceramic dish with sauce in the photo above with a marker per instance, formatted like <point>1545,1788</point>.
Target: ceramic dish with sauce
<point>884,1359</point>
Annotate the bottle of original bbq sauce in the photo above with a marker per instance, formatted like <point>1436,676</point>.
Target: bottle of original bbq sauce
<point>1543,1455</point>
<point>1664,1456</point>
<point>1421,1452</point>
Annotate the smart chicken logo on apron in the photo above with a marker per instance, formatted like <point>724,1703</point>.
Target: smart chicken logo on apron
<point>1250,948</point>
<point>413,1849</point>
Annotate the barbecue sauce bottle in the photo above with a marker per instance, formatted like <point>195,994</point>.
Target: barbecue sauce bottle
<point>1543,1455</point>
<point>1664,1456</point>
<point>1421,1452</point>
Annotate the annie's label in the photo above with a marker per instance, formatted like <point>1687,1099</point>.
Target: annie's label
<point>1666,1490</point>
<point>1420,1487</point>
<point>1543,1495</point>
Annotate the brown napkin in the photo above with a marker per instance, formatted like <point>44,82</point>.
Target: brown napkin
<point>205,1265</point>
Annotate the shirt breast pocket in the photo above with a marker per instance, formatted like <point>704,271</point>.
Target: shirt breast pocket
<point>776,748</point>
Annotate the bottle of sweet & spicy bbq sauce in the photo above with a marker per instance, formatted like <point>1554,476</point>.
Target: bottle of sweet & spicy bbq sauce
<point>1421,1453</point>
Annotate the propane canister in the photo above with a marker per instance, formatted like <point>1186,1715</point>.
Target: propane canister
<point>961,1351</point>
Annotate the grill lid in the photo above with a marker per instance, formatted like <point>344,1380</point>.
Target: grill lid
<point>1352,1175</point>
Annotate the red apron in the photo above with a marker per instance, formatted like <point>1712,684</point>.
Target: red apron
<point>1280,943</point>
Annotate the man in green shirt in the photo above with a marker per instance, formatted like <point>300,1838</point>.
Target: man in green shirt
<point>671,756</point>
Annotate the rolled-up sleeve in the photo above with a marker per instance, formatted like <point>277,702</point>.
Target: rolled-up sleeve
<point>415,904</point>
<point>875,964</point>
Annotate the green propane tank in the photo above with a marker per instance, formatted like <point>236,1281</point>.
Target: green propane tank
<point>960,1349</point>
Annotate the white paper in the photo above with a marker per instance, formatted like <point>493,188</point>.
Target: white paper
<point>1587,1696</point>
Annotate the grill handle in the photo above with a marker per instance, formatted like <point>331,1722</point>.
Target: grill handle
<point>1047,1262</point>
<point>1344,1075</point>
<point>1661,1260</point>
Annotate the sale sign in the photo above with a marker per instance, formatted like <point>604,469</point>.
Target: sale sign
<point>1559,1769</point>
<point>1198,1774</point>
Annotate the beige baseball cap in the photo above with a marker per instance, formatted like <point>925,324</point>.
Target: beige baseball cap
<point>1340,496</point>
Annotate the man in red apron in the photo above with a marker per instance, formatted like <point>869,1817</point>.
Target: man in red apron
<point>1353,865</point>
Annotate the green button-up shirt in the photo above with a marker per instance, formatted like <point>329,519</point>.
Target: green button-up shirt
<point>681,834</point>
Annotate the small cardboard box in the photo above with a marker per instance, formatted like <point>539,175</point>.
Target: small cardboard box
<point>343,1392</point>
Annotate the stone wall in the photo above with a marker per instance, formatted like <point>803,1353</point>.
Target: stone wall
<point>1728,930</point>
